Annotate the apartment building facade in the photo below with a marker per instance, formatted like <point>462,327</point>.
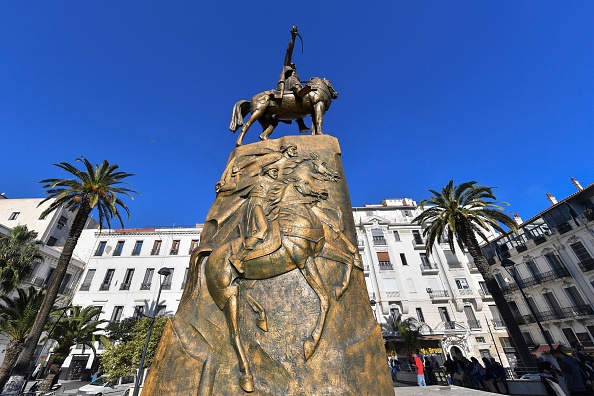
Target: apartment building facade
<point>553,256</point>
<point>442,289</point>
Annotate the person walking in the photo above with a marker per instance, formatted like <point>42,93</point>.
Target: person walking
<point>420,370</point>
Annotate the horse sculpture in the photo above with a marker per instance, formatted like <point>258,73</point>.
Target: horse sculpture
<point>300,230</point>
<point>269,111</point>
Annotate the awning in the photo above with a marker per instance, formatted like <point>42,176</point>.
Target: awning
<point>543,348</point>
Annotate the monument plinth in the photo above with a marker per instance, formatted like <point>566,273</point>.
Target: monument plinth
<point>275,301</point>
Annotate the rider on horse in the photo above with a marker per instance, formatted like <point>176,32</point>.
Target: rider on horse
<point>289,79</point>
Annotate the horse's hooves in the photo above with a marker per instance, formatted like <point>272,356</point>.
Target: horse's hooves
<point>309,346</point>
<point>262,323</point>
<point>246,382</point>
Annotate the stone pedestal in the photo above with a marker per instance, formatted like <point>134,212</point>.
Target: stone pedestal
<point>197,356</point>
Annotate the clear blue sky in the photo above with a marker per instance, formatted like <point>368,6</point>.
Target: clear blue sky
<point>500,92</point>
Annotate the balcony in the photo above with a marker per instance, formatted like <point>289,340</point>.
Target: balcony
<point>464,292</point>
<point>392,294</point>
<point>85,287</point>
<point>428,268</point>
<point>540,239</point>
<point>34,280</point>
<point>438,294</point>
<point>474,324</point>
<point>173,252</point>
<point>498,323</point>
<point>385,265</point>
<point>154,252</point>
<point>556,314</point>
<point>563,228</point>
<point>379,241</point>
<point>418,243</point>
<point>166,286</point>
<point>455,265</point>
<point>472,267</point>
<point>521,248</point>
<point>145,286</point>
<point>104,286</point>
<point>485,293</point>
<point>125,286</point>
<point>587,265</point>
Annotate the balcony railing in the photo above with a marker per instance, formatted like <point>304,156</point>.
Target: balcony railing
<point>484,293</point>
<point>393,294</point>
<point>556,314</point>
<point>173,252</point>
<point>438,294</point>
<point>498,323</point>
<point>85,287</point>
<point>34,280</point>
<point>563,228</point>
<point>104,286</point>
<point>379,240</point>
<point>538,279</point>
<point>474,324</point>
<point>125,286</point>
<point>166,286</point>
<point>587,265</point>
<point>145,286</point>
<point>155,252</point>
<point>464,292</point>
<point>386,265</point>
<point>455,265</point>
<point>425,267</point>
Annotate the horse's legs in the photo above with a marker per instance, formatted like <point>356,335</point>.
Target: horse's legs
<point>313,278</point>
<point>318,118</point>
<point>253,117</point>
<point>301,124</point>
<point>246,381</point>
<point>268,127</point>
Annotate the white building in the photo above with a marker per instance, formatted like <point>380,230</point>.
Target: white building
<point>52,230</point>
<point>121,277</point>
<point>441,289</point>
<point>553,255</point>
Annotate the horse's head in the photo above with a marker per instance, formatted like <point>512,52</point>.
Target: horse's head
<point>333,92</point>
<point>306,181</point>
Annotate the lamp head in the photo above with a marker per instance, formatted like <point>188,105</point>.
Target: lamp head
<point>164,271</point>
<point>506,263</point>
<point>372,302</point>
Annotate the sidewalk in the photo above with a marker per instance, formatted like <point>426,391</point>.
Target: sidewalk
<point>401,389</point>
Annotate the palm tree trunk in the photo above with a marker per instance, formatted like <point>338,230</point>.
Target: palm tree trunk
<point>12,353</point>
<point>26,359</point>
<point>513,329</point>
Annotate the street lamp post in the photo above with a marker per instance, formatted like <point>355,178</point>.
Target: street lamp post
<point>507,263</point>
<point>164,272</point>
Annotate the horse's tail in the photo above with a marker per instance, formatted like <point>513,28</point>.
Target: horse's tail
<point>240,110</point>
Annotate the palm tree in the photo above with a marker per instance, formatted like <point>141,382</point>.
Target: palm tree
<point>410,331</point>
<point>95,187</point>
<point>17,316</point>
<point>19,250</point>
<point>460,213</point>
<point>79,326</point>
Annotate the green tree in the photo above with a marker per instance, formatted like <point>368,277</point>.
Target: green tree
<point>121,331</point>
<point>19,250</point>
<point>410,332</point>
<point>95,187</point>
<point>17,316</point>
<point>460,213</point>
<point>78,326</point>
<point>122,360</point>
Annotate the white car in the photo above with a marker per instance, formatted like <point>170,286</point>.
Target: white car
<point>102,387</point>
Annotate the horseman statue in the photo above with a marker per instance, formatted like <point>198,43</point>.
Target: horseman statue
<point>289,101</point>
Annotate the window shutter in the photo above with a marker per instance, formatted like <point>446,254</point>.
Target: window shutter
<point>383,256</point>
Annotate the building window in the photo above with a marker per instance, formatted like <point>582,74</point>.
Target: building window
<point>167,281</point>
<point>96,317</point>
<point>14,215</point>
<point>554,261</point>
<point>528,338</point>
<point>378,237</point>
<point>384,261</point>
<point>424,260</point>
<point>174,248</point>
<point>138,312</point>
<point>107,280</point>
<point>445,316</point>
<point>403,259</point>
<point>137,248</point>
<point>485,353</point>
<point>156,248</point>
<point>586,262</point>
<point>119,248</point>
<point>506,342</point>
<point>52,241</point>
<point>411,285</point>
<point>193,245</point>
<point>417,237</point>
<point>461,283</point>
<point>50,272</point>
<point>570,335</point>
<point>148,279</point>
<point>480,340</point>
<point>497,319</point>
<point>471,318</point>
<point>391,287</point>
<point>420,316</point>
<point>100,248</point>
<point>185,278</point>
<point>396,236</point>
<point>127,279</point>
<point>161,310</point>
<point>117,313</point>
<point>483,286</point>
<point>451,259</point>
<point>88,279</point>
<point>574,296</point>
<point>62,222</point>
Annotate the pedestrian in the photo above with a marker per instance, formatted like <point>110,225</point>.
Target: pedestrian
<point>499,374</point>
<point>420,370</point>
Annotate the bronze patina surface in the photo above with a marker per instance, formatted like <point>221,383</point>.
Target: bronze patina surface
<point>275,301</point>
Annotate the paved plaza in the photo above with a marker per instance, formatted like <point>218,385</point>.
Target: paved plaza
<point>401,389</point>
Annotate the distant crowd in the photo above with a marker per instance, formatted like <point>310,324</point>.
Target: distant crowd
<point>572,366</point>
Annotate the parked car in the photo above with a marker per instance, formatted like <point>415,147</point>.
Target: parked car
<point>102,387</point>
<point>130,391</point>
